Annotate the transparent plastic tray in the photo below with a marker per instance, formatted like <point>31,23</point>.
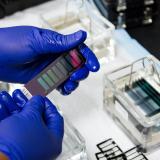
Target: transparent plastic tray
<point>132,98</point>
<point>73,15</point>
<point>73,144</point>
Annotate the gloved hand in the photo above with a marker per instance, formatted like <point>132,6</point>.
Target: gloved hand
<point>35,133</point>
<point>26,50</point>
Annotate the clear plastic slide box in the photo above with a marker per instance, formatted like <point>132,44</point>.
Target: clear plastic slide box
<point>73,144</point>
<point>132,98</point>
<point>73,15</point>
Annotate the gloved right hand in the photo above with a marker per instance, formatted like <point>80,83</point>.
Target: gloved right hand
<point>30,130</point>
<point>26,50</point>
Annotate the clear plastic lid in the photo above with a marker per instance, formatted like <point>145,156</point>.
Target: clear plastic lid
<point>138,87</point>
<point>72,15</point>
<point>73,144</point>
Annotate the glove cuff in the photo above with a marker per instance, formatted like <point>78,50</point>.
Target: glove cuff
<point>9,152</point>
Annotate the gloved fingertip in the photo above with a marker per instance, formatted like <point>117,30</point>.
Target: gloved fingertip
<point>35,104</point>
<point>48,104</point>
<point>80,74</point>
<point>73,40</point>
<point>70,86</point>
<point>19,98</point>
<point>47,101</point>
<point>16,91</point>
<point>8,102</point>
<point>95,67</point>
<point>4,96</point>
<point>20,93</point>
<point>80,35</point>
<point>62,91</point>
<point>37,99</point>
<point>51,113</point>
<point>2,93</point>
<point>91,60</point>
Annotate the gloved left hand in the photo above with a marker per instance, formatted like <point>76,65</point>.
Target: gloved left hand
<point>30,130</point>
<point>26,50</point>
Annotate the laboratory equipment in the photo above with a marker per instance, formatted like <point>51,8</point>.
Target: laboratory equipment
<point>109,150</point>
<point>128,13</point>
<point>81,15</point>
<point>8,7</point>
<point>55,74</point>
<point>73,144</point>
<point>132,98</point>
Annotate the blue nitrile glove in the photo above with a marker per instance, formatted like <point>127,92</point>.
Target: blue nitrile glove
<point>33,130</point>
<point>26,50</point>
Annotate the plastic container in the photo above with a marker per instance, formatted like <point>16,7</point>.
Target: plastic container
<point>132,98</point>
<point>73,144</point>
<point>81,15</point>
